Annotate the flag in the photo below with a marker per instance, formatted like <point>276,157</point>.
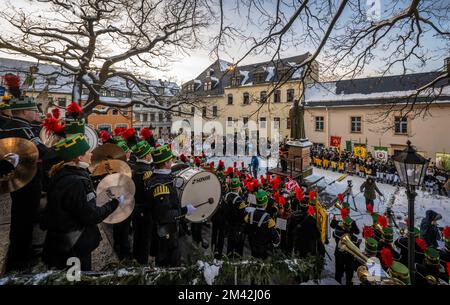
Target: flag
<point>381,153</point>
<point>335,141</point>
<point>359,151</point>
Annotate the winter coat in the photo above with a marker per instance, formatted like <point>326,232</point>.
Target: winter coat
<point>369,190</point>
<point>429,232</point>
<point>71,216</point>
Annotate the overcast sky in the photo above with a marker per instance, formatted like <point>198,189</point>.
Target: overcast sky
<point>188,66</point>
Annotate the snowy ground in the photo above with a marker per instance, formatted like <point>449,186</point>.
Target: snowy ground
<point>424,201</point>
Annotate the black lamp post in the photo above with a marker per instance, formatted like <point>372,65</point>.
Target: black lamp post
<point>411,168</point>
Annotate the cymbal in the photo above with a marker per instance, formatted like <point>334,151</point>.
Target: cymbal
<point>117,184</point>
<point>111,166</point>
<point>26,168</point>
<point>108,151</point>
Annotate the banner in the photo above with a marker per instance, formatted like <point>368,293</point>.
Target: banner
<point>335,141</point>
<point>381,153</point>
<point>359,151</point>
<point>322,221</point>
<point>348,145</point>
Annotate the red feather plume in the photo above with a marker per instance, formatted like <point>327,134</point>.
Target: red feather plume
<point>234,164</point>
<point>344,213</point>
<point>311,210</point>
<point>249,186</point>
<point>242,165</point>
<point>118,131</point>
<point>73,110</point>
<point>446,232</point>
<point>146,133</point>
<point>128,133</point>
<point>56,113</point>
<point>229,170</point>
<point>382,221</point>
<point>299,194</point>
<point>211,165</point>
<point>370,208</point>
<point>340,197</point>
<point>238,173</point>
<point>268,178</point>
<point>13,83</point>
<point>52,125</point>
<point>282,201</point>
<point>368,232</point>
<point>386,257</point>
<point>312,195</point>
<point>263,180</point>
<point>197,161</point>
<point>421,243</point>
<point>104,136</point>
<point>221,164</point>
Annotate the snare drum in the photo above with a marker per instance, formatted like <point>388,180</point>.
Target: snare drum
<point>200,188</point>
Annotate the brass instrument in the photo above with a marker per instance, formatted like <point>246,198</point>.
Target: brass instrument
<point>338,205</point>
<point>345,244</point>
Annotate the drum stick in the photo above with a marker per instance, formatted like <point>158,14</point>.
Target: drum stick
<point>210,201</point>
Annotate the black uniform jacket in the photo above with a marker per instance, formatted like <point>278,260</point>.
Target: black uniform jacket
<point>71,215</point>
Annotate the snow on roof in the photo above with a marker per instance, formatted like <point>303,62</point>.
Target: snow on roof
<point>328,92</point>
<point>198,83</point>
<point>270,73</point>
<point>216,80</point>
<point>224,65</point>
<point>62,80</point>
<point>245,74</point>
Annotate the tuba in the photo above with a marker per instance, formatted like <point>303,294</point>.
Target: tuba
<point>346,244</point>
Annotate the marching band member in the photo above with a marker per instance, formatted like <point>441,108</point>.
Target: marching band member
<point>431,271</point>
<point>234,211</point>
<point>25,201</point>
<point>165,208</point>
<point>141,218</point>
<point>71,215</point>
<point>260,228</point>
<point>344,262</point>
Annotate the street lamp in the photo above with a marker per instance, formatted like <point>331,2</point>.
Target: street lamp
<point>411,168</point>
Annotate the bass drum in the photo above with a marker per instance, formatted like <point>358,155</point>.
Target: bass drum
<point>201,189</point>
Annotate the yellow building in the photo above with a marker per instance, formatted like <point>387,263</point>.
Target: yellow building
<point>355,110</point>
<point>230,94</point>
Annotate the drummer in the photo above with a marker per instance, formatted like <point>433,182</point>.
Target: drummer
<point>71,215</point>
<point>165,207</point>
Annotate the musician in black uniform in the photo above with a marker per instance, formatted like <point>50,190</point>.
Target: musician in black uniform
<point>344,262</point>
<point>121,230</point>
<point>260,228</point>
<point>234,210</point>
<point>5,112</point>
<point>303,236</point>
<point>431,271</point>
<point>71,215</point>
<point>402,244</point>
<point>25,201</point>
<point>142,171</point>
<point>445,252</point>
<point>218,219</point>
<point>165,208</point>
<point>386,242</point>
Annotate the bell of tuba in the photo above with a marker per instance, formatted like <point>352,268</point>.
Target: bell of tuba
<point>346,244</point>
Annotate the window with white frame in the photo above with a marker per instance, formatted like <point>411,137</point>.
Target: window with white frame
<point>401,125</point>
<point>355,124</point>
<point>320,122</point>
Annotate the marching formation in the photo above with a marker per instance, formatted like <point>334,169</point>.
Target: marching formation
<point>143,190</point>
<point>436,181</point>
